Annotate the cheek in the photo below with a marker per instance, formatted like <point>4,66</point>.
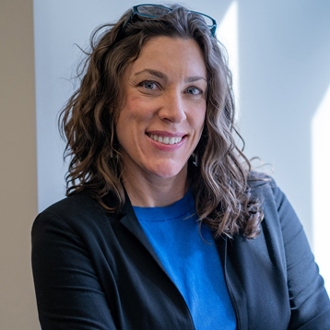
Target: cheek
<point>131,123</point>
<point>127,115</point>
<point>200,118</point>
<point>136,110</point>
<point>201,124</point>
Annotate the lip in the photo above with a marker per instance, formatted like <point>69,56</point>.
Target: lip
<point>166,147</point>
<point>168,134</point>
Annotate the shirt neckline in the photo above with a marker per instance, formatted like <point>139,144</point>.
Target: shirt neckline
<point>183,207</point>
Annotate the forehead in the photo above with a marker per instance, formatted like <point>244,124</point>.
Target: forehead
<point>173,55</point>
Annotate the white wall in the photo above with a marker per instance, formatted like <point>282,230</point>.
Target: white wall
<point>284,73</point>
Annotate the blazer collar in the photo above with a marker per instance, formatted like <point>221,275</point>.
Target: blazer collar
<point>128,219</point>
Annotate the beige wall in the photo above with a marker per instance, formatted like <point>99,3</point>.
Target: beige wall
<point>18,173</point>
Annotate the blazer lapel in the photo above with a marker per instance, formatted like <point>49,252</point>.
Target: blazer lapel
<point>131,223</point>
<point>128,219</point>
<point>234,285</point>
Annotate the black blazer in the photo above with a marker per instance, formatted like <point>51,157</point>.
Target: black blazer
<point>93,270</point>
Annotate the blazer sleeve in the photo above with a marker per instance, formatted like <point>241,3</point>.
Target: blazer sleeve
<point>69,295</point>
<point>310,305</point>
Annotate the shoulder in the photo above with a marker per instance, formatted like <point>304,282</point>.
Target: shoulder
<point>279,215</point>
<point>79,213</point>
<point>72,207</point>
<point>281,223</point>
<point>266,190</point>
<point>261,184</point>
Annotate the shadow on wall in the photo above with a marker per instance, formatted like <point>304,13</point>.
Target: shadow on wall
<point>284,74</point>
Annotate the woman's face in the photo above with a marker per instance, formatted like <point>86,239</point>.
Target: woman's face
<point>163,115</point>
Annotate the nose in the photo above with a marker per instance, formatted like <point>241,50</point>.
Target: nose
<point>174,108</point>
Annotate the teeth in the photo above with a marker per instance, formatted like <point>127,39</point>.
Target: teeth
<point>165,139</point>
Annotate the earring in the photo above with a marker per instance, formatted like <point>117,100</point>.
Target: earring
<point>194,159</point>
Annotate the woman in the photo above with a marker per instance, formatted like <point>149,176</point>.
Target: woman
<point>165,226</point>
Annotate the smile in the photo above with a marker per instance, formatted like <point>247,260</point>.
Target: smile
<point>165,139</point>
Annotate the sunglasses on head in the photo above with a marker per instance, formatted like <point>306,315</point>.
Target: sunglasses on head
<point>157,11</point>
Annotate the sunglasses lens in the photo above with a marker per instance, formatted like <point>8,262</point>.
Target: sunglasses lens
<point>153,11</point>
<point>157,11</point>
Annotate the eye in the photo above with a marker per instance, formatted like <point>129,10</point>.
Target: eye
<point>148,84</point>
<point>193,91</point>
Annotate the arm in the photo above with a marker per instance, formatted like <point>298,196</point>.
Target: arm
<point>69,295</point>
<point>310,305</point>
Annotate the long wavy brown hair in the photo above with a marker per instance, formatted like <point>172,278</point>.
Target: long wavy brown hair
<point>218,170</point>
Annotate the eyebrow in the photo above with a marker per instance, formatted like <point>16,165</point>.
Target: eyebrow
<point>195,78</point>
<point>155,73</point>
<point>163,76</point>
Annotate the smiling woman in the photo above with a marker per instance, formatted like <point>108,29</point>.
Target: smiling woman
<point>165,225</point>
<point>165,102</point>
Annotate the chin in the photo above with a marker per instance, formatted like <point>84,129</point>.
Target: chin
<point>168,171</point>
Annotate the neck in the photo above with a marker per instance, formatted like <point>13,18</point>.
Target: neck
<point>153,191</point>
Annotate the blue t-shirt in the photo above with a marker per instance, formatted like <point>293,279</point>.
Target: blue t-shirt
<point>192,261</point>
